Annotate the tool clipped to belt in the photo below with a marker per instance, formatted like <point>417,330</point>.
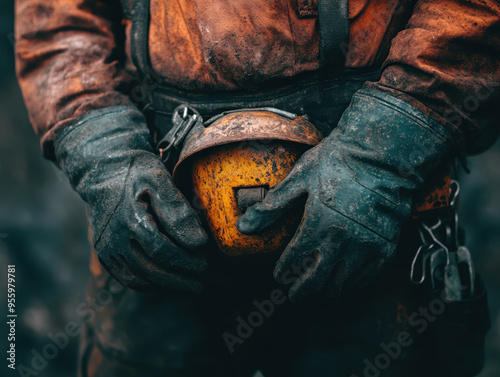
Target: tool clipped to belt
<point>440,260</point>
<point>443,267</point>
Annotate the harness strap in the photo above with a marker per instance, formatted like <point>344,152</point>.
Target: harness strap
<point>333,18</point>
<point>139,36</point>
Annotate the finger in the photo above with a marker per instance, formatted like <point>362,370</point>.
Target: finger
<point>323,233</point>
<point>139,263</point>
<point>346,276</point>
<point>174,215</point>
<point>329,246</point>
<point>349,264</point>
<point>132,269</point>
<point>293,259</point>
<point>161,250</point>
<point>276,203</point>
<point>118,269</point>
<point>363,259</point>
<point>336,281</point>
<point>308,278</point>
<point>311,232</point>
<point>374,266</point>
<point>313,281</point>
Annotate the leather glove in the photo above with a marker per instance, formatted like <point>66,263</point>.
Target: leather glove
<point>144,231</point>
<point>359,183</point>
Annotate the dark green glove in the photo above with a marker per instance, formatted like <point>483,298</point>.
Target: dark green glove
<point>144,231</point>
<point>359,183</point>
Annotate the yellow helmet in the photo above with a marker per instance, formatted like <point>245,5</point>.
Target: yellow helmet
<point>231,161</point>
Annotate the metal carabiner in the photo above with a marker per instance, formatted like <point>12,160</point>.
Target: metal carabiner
<point>184,118</point>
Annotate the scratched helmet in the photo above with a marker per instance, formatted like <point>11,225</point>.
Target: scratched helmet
<point>231,161</point>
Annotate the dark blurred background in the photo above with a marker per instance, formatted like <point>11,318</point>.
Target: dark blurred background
<point>43,231</point>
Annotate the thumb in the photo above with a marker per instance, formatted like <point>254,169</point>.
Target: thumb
<point>282,197</point>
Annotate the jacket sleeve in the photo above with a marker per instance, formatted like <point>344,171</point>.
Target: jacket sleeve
<point>69,61</point>
<point>446,63</point>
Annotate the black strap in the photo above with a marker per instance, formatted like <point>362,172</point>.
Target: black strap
<point>139,36</point>
<point>333,17</point>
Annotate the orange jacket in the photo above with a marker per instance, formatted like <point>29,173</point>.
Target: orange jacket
<point>73,56</point>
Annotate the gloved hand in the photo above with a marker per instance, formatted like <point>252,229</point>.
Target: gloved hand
<point>359,183</point>
<point>144,231</point>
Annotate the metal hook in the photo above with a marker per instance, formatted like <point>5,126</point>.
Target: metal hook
<point>454,193</point>
<point>437,242</point>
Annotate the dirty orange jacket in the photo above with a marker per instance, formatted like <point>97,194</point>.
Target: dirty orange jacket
<point>73,56</point>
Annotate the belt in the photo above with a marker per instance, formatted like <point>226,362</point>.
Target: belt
<point>322,101</point>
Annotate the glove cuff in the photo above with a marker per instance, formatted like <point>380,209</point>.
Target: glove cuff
<point>394,136</point>
<point>410,112</point>
<point>100,134</point>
